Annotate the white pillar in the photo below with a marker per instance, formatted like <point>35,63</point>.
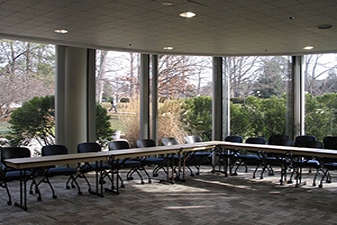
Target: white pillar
<point>74,107</point>
<point>217,109</point>
<point>144,96</point>
<point>298,96</point>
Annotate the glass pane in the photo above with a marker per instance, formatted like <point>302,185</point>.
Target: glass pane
<point>117,89</point>
<point>27,78</point>
<point>320,74</point>
<point>259,89</point>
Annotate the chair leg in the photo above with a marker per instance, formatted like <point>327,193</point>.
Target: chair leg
<point>146,173</point>
<point>80,175</point>
<point>157,168</point>
<point>37,190</point>
<point>4,185</point>
<point>73,180</point>
<point>256,168</point>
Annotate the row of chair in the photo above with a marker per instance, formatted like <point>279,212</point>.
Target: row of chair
<point>108,169</point>
<point>268,161</point>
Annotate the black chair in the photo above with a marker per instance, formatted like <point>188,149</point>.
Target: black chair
<point>177,158</point>
<point>8,174</point>
<point>300,162</point>
<point>303,138</point>
<point>64,170</point>
<point>87,167</point>
<point>247,158</point>
<point>134,165</point>
<point>330,142</point>
<point>328,164</point>
<point>227,157</point>
<point>281,160</point>
<point>158,162</point>
<point>169,141</point>
<point>192,139</point>
<point>198,158</point>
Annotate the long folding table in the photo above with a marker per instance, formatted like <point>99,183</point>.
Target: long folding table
<point>37,162</point>
<point>283,151</point>
<point>183,150</point>
<point>23,164</point>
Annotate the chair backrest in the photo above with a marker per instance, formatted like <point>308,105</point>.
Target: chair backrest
<point>234,138</point>
<point>88,147</point>
<point>330,142</point>
<point>117,145</point>
<point>310,144</point>
<point>54,150</point>
<point>277,138</point>
<point>256,140</point>
<point>192,139</point>
<point>169,141</point>
<point>144,143</point>
<point>14,152</point>
<point>282,141</point>
<point>303,138</point>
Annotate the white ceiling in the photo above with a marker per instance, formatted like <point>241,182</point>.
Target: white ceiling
<point>221,27</point>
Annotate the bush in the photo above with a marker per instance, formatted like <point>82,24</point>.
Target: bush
<point>35,120</point>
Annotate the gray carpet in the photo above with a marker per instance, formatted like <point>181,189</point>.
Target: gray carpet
<point>205,199</point>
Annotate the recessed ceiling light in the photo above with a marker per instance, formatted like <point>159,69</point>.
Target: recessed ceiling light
<point>167,3</point>
<point>324,26</point>
<point>187,14</point>
<point>61,31</point>
<point>168,48</point>
<point>308,47</point>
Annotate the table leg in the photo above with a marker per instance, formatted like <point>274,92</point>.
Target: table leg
<point>23,191</point>
<point>98,178</point>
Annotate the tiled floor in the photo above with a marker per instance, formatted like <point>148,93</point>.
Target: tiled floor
<point>205,199</point>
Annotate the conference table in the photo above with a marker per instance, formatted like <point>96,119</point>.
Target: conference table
<point>182,150</point>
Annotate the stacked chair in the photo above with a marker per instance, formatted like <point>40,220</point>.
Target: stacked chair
<point>226,158</point>
<point>134,165</point>
<point>198,158</point>
<point>307,141</point>
<point>271,160</point>
<point>328,164</point>
<point>8,174</point>
<point>172,141</point>
<point>158,162</point>
<point>250,158</point>
<point>52,171</point>
<point>87,167</point>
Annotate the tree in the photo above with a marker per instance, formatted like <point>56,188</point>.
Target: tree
<point>241,72</point>
<point>273,77</point>
<point>320,72</point>
<point>40,127</point>
<point>197,116</point>
<point>26,70</point>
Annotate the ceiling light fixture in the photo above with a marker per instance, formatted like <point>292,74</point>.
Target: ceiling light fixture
<point>187,14</point>
<point>61,31</point>
<point>324,26</point>
<point>168,48</point>
<point>308,47</point>
<point>167,3</point>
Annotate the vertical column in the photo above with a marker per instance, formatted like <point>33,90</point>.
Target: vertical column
<point>298,96</point>
<point>60,95</point>
<point>217,99</point>
<point>226,97</point>
<point>72,90</point>
<point>91,95</point>
<point>154,88</point>
<point>144,96</point>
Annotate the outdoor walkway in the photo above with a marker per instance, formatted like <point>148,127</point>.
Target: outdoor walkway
<point>205,199</point>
